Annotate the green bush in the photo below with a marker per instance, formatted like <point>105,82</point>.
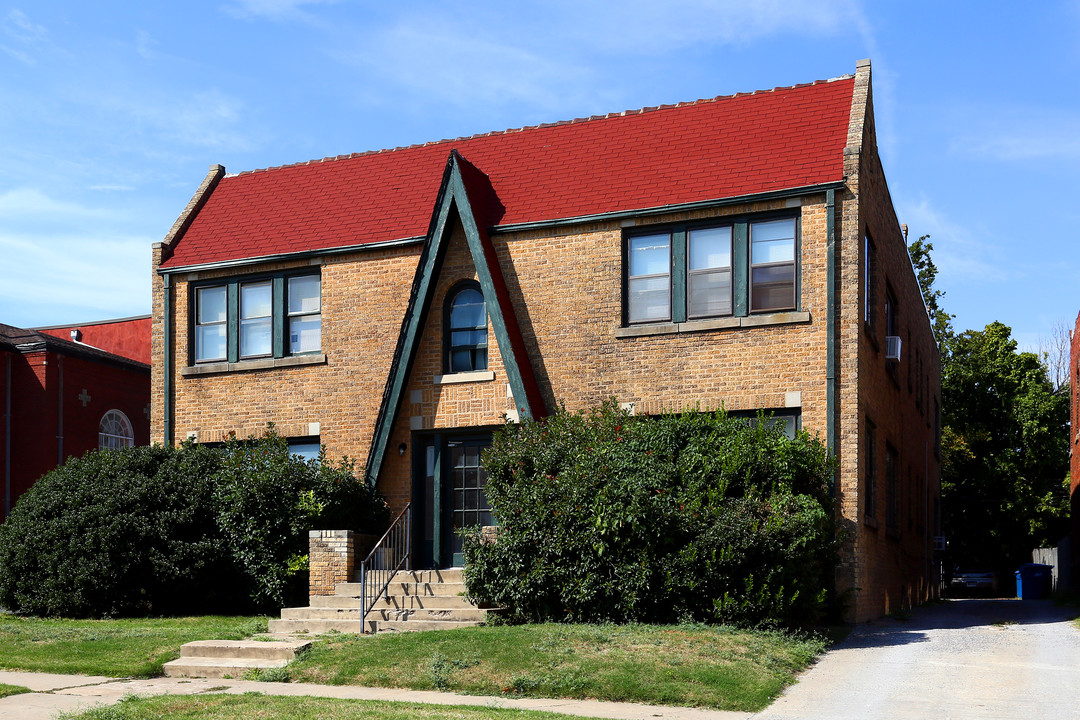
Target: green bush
<point>267,499</point>
<point>609,517</point>
<point>162,530</point>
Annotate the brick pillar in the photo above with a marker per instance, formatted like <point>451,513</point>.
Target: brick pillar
<point>331,559</point>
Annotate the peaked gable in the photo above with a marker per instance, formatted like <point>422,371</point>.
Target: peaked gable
<point>726,147</point>
<point>462,190</point>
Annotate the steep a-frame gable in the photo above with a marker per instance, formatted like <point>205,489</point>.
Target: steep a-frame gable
<point>464,192</point>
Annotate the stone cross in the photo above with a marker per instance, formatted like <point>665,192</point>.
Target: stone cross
<point>84,397</point>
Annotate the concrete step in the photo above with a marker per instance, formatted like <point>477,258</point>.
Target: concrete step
<point>384,613</point>
<point>385,626</point>
<point>318,626</point>
<point>424,589</point>
<point>245,649</point>
<point>453,575</point>
<point>217,667</point>
<point>394,601</point>
<point>320,613</point>
<point>470,614</point>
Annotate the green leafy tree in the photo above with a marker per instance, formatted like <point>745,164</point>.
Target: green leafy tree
<point>1005,445</point>
<point>926,271</point>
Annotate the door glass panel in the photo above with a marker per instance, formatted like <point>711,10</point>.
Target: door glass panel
<point>469,504</point>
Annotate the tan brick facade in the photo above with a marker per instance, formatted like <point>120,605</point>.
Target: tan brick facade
<point>566,287</point>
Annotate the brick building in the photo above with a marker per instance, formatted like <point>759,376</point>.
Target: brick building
<point>69,389</point>
<point>1074,453</point>
<point>397,306</point>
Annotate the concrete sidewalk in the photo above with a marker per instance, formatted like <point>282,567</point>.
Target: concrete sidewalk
<point>55,693</point>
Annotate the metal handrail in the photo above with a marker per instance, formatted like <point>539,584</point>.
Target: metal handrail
<point>390,554</point>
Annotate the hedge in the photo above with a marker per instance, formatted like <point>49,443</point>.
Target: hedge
<point>166,530</point>
<point>604,516</point>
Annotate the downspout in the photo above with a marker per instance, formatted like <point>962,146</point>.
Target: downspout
<point>59,410</point>
<point>830,330</point>
<point>7,439</point>
<point>167,360</point>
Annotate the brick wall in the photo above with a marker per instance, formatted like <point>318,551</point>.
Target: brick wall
<point>57,403</point>
<point>887,566</point>
<point>331,560</point>
<point>1074,450</point>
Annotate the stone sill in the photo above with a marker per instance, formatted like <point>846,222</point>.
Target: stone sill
<point>465,377</point>
<point>260,364</point>
<point>725,323</point>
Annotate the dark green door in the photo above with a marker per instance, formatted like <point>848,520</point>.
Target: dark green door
<point>448,494</point>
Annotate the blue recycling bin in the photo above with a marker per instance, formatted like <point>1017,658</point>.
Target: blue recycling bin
<point>1033,581</point>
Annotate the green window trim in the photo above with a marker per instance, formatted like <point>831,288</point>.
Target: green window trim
<point>277,322</point>
<point>739,271</point>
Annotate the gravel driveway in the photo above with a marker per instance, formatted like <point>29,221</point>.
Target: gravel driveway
<point>970,659</point>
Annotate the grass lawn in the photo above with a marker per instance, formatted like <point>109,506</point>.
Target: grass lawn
<point>6,690</point>
<point>254,706</point>
<point>117,648</point>
<point>686,665</point>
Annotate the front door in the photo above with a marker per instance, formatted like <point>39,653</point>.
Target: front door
<point>449,482</point>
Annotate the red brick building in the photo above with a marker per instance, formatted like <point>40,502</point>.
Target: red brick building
<point>397,306</point>
<point>62,395</point>
<point>1074,452</point>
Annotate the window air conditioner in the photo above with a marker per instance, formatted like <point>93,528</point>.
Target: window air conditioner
<point>892,347</point>
<point>939,543</point>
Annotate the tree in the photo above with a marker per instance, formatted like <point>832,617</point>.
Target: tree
<point>1005,451</point>
<point>926,272</point>
<point>1056,350</point>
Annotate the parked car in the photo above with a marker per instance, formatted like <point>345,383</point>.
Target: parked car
<point>973,583</point>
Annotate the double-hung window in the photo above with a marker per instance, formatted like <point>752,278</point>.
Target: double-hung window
<point>264,317</point>
<point>305,314</point>
<point>708,274</point>
<point>649,284</point>
<point>772,265</point>
<point>467,330</point>
<point>256,319</point>
<point>695,272</point>
<point>211,313</point>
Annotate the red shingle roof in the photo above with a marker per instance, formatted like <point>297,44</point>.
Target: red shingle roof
<point>706,150</point>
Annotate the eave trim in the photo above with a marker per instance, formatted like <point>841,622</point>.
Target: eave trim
<point>518,227</point>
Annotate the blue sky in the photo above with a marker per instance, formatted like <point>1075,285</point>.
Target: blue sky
<point>111,112</point>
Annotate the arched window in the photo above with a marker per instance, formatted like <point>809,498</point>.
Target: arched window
<point>466,323</point>
<point>114,431</point>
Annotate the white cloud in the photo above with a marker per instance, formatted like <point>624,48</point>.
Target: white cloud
<point>145,44</point>
<point>273,9</point>
<point>21,27</point>
<point>32,203</point>
<point>959,253</point>
<point>650,26</point>
<point>1019,134</point>
<point>25,34</point>
<point>554,55</point>
<point>445,65</point>
<point>18,55</point>
<point>111,188</point>
<point>207,119</point>
<point>102,276</point>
